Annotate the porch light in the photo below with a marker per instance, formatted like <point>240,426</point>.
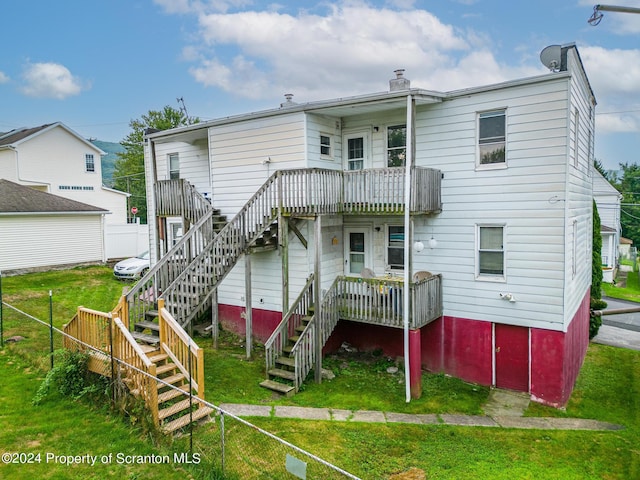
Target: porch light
<point>433,243</point>
<point>418,246</point>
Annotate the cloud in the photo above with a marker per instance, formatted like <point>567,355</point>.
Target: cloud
<point>614,75</point>
<point>200,6</point>
<point>50,80</point>
<point>3,78</point>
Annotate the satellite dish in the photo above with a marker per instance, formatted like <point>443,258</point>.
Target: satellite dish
<point>550,57</point>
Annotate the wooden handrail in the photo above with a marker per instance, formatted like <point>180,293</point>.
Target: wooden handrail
<point>179,345</point>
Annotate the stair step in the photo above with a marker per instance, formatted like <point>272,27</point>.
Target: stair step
<point>307,318</point>
<point>145,338</point>
<point>288,361</point>
<point>158,357</point>
<point>287,349</point>
<point>175,408</point>
<point>172,393</point>
<point>280,373</point>
<point>300,328</point>
<point>168,367</point>
<point>151,314</point>
<point>172,380</point>
<point>287,390</point>
<point>294,339</point>
<point>183,421</point>
<point>143,325</point>
<point>150,349</point>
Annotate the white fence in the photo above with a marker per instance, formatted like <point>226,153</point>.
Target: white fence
<point>126,240</point>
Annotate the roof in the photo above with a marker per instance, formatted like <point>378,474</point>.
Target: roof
<point>626,241</point>
<point>605,229</point>
<point>19,135</point>
<point>18,199</point>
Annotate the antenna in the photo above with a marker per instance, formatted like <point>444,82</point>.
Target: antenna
<point>183,109</point>
<point>550,57</point>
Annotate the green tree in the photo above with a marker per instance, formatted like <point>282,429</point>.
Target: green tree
<point>128,175</point>
<point>596,275</point>
<point>629,186</point>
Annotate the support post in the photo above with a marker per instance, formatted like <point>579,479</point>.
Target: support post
<point>51,326</point>
<point>317,289</point>
<point>247,305</point>
<point>214,318</point>
<point>283,244</point>
<point>415,355</point>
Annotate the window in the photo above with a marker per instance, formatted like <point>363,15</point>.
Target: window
<point>396,146</point>
<point>490,262</point>
<point>395,247</point>
<point>325,145</point>
<point>355,153</point>
<point>491,137</point>
<point>75,187</point>
<point>89,163</point>
<point>174,166</point>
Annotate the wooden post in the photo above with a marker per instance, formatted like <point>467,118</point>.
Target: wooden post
<point>317,297</point>
<point>283,245</point>
<point>247,303</point>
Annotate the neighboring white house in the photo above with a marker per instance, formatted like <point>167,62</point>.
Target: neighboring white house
<point>501,199</point>
<point>608,200</point>
<point>55,159</point>
<point>44,230</point>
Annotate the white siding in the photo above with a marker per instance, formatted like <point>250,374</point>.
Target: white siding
<point>193,161</point>
<point>527,198</point>
<point>40,241</point>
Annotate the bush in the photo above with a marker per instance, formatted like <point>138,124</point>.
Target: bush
<point>69,375</point>
<point>595,321</point>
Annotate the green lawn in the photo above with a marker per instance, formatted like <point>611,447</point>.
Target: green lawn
<point>630,292</point>
<point>607,389</point>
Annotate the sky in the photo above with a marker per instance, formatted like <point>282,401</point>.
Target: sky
<point>96,65</point>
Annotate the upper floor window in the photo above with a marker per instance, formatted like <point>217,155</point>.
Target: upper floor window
<point>396,146</point>
<point>490,252</point>
<point>325,145</point>
<point>492,137</point>
<point>174,166</point>
<point>89,163</point>
<point>395,247</point>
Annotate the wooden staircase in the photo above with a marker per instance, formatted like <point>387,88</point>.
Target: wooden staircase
<point>282,377</point>
<point>154,361</point>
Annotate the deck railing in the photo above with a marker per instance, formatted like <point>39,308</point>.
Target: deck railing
<point>91,328</point>
<point>379,301</point>
<point>136,368</point>
<point>290,321</point>
<point>178,198</point>
<point>183,351</point>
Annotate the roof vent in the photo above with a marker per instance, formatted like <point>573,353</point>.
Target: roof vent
<point>399,83</point>
<point>288,100</point>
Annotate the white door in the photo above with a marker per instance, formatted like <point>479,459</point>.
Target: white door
<point>356,150</point>
<point>357,250</point>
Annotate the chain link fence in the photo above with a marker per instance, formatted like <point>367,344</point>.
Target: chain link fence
<point>217,444</point>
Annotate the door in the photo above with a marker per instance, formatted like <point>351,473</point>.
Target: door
<point>356,251</point>
<point>356,148</point>
<point>512,357</point>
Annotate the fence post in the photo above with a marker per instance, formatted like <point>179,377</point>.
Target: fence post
<point>190,400</point>
<point>51,326</point>
<point>222,438</point>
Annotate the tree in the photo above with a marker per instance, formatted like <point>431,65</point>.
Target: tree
<point>129,169</point>
<point>596,275</point>
<point>629,187</point>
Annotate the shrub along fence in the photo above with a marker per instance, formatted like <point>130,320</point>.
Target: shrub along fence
<point>225,446</point>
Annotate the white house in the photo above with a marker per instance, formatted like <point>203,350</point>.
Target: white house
<point>608,200</point>
<point>43,230</point>
<point>54,159</point>
<point>484,275</point>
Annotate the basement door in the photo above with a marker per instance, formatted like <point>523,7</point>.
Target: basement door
<point>511,357</point>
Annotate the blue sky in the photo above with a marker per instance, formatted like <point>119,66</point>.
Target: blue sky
<point>96,65</point>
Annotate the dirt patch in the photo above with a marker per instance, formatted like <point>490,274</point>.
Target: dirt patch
<point>411,474</point>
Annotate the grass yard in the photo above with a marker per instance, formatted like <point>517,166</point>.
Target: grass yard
<point>629,292</point>
<point>608,389</point>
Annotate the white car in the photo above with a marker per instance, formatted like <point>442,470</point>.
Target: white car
<point>132,268</point>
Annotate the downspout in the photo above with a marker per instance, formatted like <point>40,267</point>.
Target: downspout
<point>407,245</point>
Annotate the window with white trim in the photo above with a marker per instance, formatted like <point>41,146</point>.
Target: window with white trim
<point>89,163</point>
<point>492,127</point>
<point>395,247</point>
<point>490,252</point>
<point>396,146</point>
<point>174,166</point>
<point>325,145</point>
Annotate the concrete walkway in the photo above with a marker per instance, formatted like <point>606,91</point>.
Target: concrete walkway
<point>503,409</point>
